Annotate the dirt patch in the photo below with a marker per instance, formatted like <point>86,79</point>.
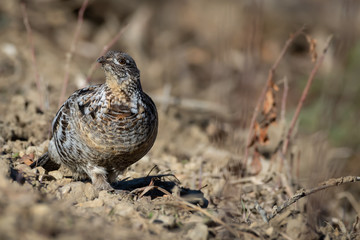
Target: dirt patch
<point>41,204</point>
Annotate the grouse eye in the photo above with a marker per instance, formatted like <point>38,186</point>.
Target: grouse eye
<point>122,61</point>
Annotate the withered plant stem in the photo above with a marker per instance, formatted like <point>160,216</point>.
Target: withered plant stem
<point>69,55</point>
<point>284,98</point>
<point>303,96</point>
<point>33,56</point>
<point>262,95</point>
<point>303,192</point>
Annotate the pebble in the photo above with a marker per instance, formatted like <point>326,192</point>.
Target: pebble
<point>167,221</point>
<point>91,204</point>
<point>197,231</point>
<point>56,174</point>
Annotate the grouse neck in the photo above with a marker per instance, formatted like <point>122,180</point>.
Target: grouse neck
<point>123,89</point>
<point>127,93</point>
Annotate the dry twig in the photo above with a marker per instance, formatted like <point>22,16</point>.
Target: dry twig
<point>33,57</point>
<point>355,226</point>
<point>69,55</point>
<point>155,166</point>
<point>283,100</point>
<point>303,96</point>
<point>303,192</point>
<point>262,96</point>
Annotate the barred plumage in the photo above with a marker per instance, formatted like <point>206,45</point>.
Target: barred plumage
<point>101,130</point>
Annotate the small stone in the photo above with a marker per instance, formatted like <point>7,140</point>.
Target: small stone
<point>23,168</point>
<point>40,210</point>
<point>167,221</point>
<point>30,150</point>
<point>76,192</point>
<point>269,231</point>
<point>21,154</point>
<point>91,204</point>
<point>39,171</point>
<point>124,209</point>
<point>64,181</point>
<point>196,219</point>
<point>4,168</point>
<point>56,174</point>
<point>197,231</point>
<point>65,189</point>
<point>6,148</point>
<point>90,192</point>
<point>103,194</point>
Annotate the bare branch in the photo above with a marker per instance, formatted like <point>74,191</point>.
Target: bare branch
<point>304,94</point>
<point>262,95</point>
<point>33,57</point>
<point>69,55</point>
<point>283,100</point>
<point>303,192</point>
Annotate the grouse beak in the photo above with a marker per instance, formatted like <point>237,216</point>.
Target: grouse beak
<point>101,60</point>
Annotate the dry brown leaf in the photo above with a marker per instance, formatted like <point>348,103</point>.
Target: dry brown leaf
<point>27,159</point>
<point>263,136</point>
<point>312,47</point>
<point>269,101</point>
<point>273,86</point>
<point>269,116</point>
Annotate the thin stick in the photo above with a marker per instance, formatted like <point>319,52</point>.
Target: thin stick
<point>262,96</point>
<point>284,97</point>
<point>105,49</point>
<point>355,225</point>
<point>155,166</point>
<point>69,55</point>
<point>32,50</point>
<point>304,94</point>
<point>298,166</point>
<point>303,192</point>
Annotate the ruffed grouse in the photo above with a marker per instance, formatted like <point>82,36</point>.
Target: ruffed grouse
<point>102,129</point>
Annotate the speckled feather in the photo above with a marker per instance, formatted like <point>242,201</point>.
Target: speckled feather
<point>101,130</point>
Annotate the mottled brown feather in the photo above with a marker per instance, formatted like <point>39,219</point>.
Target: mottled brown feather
<point>102,129</point>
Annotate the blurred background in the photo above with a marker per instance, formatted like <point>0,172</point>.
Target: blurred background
<point>207,59</point>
